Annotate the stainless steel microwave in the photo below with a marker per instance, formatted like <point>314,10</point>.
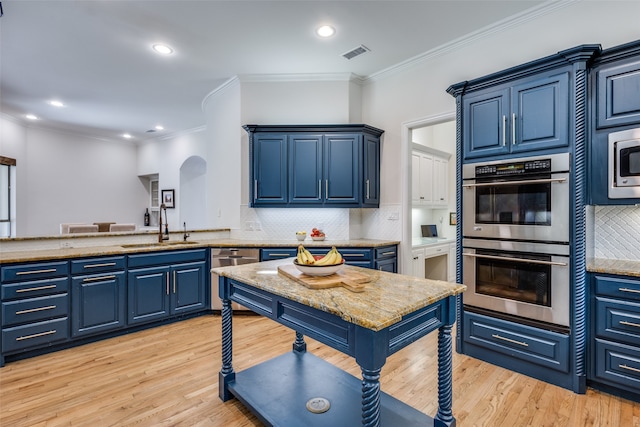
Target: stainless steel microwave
<point>624,164</point>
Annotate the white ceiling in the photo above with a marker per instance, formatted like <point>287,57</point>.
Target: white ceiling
<point>96,57</point>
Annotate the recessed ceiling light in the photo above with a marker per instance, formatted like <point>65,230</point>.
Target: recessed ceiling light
<point>326,31</point>
<point>31,117</point>
<point>159,127</point>
<point>126,136</point>
<point>162,48</point>
<point>56,103</point>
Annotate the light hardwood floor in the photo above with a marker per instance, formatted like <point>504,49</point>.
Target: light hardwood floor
<point>167,376</point>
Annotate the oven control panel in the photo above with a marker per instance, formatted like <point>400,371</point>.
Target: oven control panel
<point>515,168</point>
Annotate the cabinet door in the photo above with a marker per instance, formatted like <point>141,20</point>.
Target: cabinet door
<point>305,158</point>
<point>341,170</point>
<point>269,159</point>
<point>371,172</point>
<point>618,102</point>
<point>415,178</point>
<point>440,181</point>
<point>417,263</point>
<point>426,179</point>
<point>148,294</point>
<point>98,303</point>
<point>539,114</point>
<point>188,287</point>
<point>484,119</point>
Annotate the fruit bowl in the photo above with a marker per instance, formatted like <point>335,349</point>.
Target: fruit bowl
<point>318,270</point>
<point>318,238</point>
<point>301,236</point>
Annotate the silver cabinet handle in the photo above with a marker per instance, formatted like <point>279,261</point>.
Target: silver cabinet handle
<point>37,288</point>
<point>326,188</point>
<point>624,322</point>
<point>526,181</point>
<point>255,189</point>
<point>106,264</point>
<point>34,310</point>
<point>48,270</point>
<point>629,368</point>
<point>633,291</point>
<point>504,130</point>
<point>505,258</point>
<point>496,336</point>
<point>367,189</point>
<point>352,255</point>
<point>96,279</point>
<point>41,334</point>
<point>387,253</point>
<point>274,254</point>
<point>167,280</point>
<point>513,128</point>
<point>320,188</point>
<point>174,281</point>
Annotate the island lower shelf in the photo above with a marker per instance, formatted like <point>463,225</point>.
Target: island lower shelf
<point>278,390</point>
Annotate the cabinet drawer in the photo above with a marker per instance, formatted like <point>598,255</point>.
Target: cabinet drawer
<point>545,348</point>
<point>97,265</point>
<point>626,289</point>
<point>618,364</point>
<point>386,252</point>
<point>167,258</point>
<point>35,334</point>
<point>277,253</point>
<point>34,288</point>
<point>618,320</point>
<point>351,255</point>
<point>34,309</point>
<point>34,271</point>
<point>436,250</point>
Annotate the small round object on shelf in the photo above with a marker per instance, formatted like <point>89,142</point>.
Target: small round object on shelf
<point>317,238</point>
<point>301,237</point>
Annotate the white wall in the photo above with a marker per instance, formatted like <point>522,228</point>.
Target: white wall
<point>64,177</point>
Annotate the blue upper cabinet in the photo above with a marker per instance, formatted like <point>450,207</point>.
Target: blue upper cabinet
<point>527,115</point>
<point>618,92</point>
<point>314,165</point>
<point>530,108</point>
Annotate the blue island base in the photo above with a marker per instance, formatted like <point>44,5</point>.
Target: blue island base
<point>277,392</point>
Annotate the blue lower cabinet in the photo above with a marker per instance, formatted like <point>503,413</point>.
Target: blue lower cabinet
<point>98,303</point>
<point>156,293</point>
<point>617,365</point>
<point>385,259</point>
<point>34,335</point>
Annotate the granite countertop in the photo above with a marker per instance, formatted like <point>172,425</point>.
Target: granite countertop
<point>125,249</point>
<point>387,298</point>
<point>614,266</point>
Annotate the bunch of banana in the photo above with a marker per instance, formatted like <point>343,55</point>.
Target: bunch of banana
<point>304,256</point>
<point>332,257</point>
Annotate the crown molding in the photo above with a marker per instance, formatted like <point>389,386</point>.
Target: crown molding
<point>512,21</point>
<point>301,77</point>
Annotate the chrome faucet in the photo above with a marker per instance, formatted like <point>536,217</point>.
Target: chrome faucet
<point>164,236</point>
<point>185,235</point>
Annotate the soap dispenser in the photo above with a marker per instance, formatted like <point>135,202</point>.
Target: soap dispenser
<point>146,218</point>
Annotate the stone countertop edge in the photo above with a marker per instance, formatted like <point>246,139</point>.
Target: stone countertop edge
<point>386,298</point>
<point>614,266</point>
<point>114,249</point>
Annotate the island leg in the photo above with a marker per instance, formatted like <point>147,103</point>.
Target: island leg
<point>227,373</point>
<point>299,345</point>
<point>444,417</point>
<point>371,397</point>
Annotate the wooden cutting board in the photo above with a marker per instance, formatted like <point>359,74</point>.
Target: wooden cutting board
<point>351,280</point>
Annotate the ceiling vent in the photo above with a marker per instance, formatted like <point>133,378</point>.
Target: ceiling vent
<point>355,52</point>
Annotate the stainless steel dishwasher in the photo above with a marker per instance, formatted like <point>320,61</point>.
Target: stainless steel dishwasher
<point>223,257</point>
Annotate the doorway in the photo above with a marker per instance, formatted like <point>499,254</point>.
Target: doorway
<point>193,195</point>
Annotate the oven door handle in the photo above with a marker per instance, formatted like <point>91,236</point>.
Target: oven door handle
<point>504,258</point>
<point>528,181</point>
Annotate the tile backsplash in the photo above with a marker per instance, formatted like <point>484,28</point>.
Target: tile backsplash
<point>616,232</point>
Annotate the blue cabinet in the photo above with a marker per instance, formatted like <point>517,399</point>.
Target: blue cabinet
<point>615,84</point>
<point>384,259</point>
<point>166,284</point>
<point>98,295</point>
<point>314,166</point>
<point>526,115</point>
<point>615,343</point>
<point>35,306</point>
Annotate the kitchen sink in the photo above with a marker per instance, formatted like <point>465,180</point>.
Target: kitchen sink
<point>158,244</point>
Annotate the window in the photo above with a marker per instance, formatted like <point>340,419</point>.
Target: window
<point>7,198</point>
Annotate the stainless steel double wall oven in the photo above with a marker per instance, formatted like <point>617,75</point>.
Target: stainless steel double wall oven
<point>516,226</point>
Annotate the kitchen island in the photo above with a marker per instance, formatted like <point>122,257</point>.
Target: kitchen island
<point>298,388</point>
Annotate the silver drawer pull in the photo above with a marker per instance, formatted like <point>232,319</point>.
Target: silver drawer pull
<point>352,255</point>
<point>33,310</point>
<point>48,270</point>
<point>41,334</point>
<point>624,322</point>
<point>388,253</point>
<point>510,340</point>
<point>274,254</point>
<point>633,291</point>
<point>629,368</point>
<point>95,279</point>
<point>37,288</point>
<point>106,264</point>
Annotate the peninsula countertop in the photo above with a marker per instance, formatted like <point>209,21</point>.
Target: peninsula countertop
<point>386,299</point>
